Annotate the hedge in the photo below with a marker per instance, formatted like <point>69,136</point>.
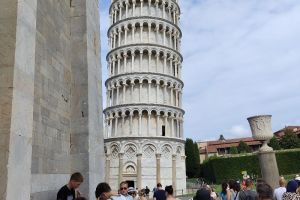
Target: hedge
<point>220,168</point>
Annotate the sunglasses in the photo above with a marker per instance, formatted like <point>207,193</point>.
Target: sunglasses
<point>123,188</point>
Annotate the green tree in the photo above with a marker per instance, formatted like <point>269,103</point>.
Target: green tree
<point>196,160</point>
<point>190,157</point>
<point>274,143</point>
<point>243,147</point>
<point>233,150</point>
<point>289,140</point>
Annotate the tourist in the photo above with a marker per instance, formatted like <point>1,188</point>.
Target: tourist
<point>124,190</point>
<point>278,192</point>
<point>290,193</point>
<point>142,194</point>
<point>236,189</point>
<point>160,193</point>
<point>67,192</point>
<point>264,191</point>
<point>248,193</point>
<point>298,189</point>
<point>213,194</point>
<point>202,194</point>
<point>169,193</point>
<point>132,192</point>
<point>147,191</point>
<point>225,193</point>
<point>103,191</point>
<point>232,191</point>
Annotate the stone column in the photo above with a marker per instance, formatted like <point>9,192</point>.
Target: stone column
<point>149,60</point>
<point>133,33</point>
<point>140,92</point>
<point>119,63</point>
<point>166,123</point>
<point>165,93</point>
<point>125,35</point>
<point>157,88</point>
<point>141,32</point>
<point>157,124</point>
<point>132,61</point>
<point>177,130</point>
<point>174,177</point>
<point>141,7</point>
<point>113,66</point>
<point>132,85</point>
<point>140,124</point>
<point>133,8</point>
<point>117,96</point>
<point>116,125</point>
<point>172,126</point>
<point>164,9</point>
<point>130,126</point>
<point>125,63</point>
<point>157,60</point>
<point>110,127</point>
<point>158,156</point>
<point>121,167</point>
<point>126,8</point>
<point>139,170</point>
<point>107,168</point>
<point>149,90</point>
<point>124,91</point>
<point>165,63</point>
<point>149,120</point>
<point>141,61</point>
<point>112,96</point>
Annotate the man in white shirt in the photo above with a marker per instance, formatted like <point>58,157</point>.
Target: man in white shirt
<point>278,192</point>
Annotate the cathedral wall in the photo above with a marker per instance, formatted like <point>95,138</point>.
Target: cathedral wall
<point>52,102</point>
<point>8,20</point>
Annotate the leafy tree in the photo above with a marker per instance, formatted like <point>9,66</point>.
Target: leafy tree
<point>233,150</point>
<point>190,157</point>
<point>289,140</point>
<point>243,147</point>
<point>196,160</point>
<point>274,143</point>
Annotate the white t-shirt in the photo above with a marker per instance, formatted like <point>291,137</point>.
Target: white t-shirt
<point>278,192</point>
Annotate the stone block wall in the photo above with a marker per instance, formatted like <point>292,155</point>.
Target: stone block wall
<point>50,97</point>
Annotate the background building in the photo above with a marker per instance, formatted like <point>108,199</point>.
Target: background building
<point>50,97</point>
<point>144,119</point>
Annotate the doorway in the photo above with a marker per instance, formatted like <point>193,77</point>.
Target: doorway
<point>130,184</point>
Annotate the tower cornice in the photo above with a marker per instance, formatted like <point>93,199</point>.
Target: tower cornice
<point>143,17</point>
<point>143,74</point>
<point>144,45</point>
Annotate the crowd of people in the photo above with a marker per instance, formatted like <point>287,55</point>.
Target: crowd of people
<point>234,190</point>
<point>231,190</point>
<point>104,192</point>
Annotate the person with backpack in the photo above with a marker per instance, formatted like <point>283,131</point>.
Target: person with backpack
<point>248,193</point>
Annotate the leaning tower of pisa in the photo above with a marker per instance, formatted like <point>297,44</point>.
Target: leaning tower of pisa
<point>143,117</point>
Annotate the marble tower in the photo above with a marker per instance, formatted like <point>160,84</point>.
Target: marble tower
<point>144,116</point>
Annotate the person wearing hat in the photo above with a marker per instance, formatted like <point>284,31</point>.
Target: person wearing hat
<point>132,192</point>
<point>290,193</point>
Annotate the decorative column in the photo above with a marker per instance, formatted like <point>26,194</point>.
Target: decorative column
<point>157,89</point>
<point>140,123</point>
<point>121,155</point>
<point>107,168</point>
<point>149,120</point>
<point>132,61</point>
<point>124,92</point>
<point>116,125</point>
<point>130,131</point>
<point>158,156</point>
<point>174,177</point>
<point>172,125</point>
<point>157,124</point>
<point>139,170</point>
<point>125,62</point>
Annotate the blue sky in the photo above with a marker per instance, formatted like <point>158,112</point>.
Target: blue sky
<point>241,58</point>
